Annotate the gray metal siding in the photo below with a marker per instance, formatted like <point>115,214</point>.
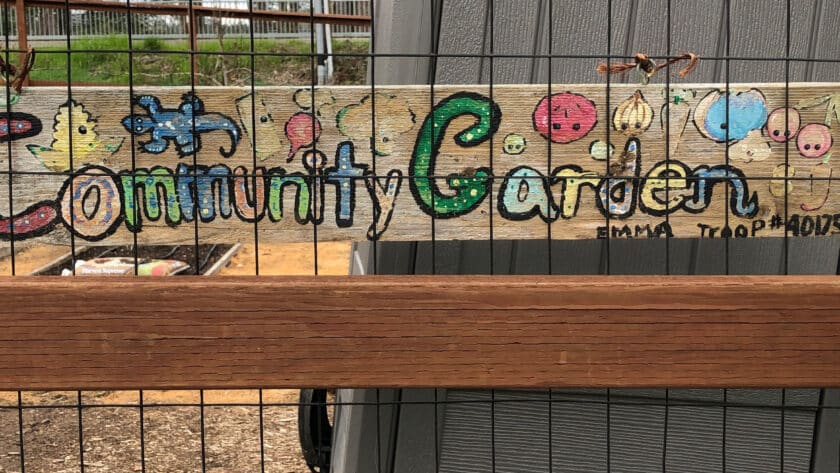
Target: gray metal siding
<point>579,430</point>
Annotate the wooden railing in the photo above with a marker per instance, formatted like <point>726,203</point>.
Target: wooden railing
<point>191,12</point>
<point>420,331</point>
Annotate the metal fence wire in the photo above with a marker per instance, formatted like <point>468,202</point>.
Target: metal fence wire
<point>437,430</point>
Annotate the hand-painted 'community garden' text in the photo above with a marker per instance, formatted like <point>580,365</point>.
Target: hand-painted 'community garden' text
<point>400,163</point>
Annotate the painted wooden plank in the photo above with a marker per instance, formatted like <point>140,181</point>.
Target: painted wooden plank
<point>213,173</point>
<point>516,29</point>
<point>647,33</point>
<point>815,257</point>
<point>461,331</point>
<point>693,29</point>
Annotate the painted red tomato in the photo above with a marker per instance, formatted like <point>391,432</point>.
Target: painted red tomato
<point>814,140</point>
<point>565,117</point>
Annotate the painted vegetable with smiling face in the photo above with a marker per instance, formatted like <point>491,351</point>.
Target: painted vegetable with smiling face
<point>633,116</point>
<point>752,148</point>
<point>747,111</point>
<point>354,122</point>
<point>302,129</point>
<point>814,140</point>
<point>259,126</point>
<point>81,140</point>
<point>565,117</point>
<point>514,144</point>
<point>783,124</point>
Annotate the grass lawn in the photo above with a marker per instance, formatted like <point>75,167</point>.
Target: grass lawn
<point>158,62</point>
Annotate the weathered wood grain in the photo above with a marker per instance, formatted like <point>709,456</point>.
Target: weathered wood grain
<point>463,331</point>
<point>245,160</point>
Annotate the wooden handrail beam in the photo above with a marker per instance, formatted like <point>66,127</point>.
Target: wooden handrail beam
<point>418,331</point>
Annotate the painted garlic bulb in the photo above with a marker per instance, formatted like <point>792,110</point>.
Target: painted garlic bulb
<point>633,116</point>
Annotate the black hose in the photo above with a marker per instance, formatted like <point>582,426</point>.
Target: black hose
<point>315,430</point>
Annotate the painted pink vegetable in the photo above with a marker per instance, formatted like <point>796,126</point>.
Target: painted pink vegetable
<point>303,129</point>
<point>565,117</point>
<point>814,140</point>
<point>776,129</point>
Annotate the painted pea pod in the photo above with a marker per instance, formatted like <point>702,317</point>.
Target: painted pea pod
<point>16,125</point>
<point>37,219</point>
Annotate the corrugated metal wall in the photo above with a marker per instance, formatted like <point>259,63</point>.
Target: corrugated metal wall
<point>757,30</point>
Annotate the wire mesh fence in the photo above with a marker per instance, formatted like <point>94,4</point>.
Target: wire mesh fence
<point>556,430</point>
<point>49,25</point>
<point>398,430</point>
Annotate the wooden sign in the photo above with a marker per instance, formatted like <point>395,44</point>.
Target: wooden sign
<point>406,162</point>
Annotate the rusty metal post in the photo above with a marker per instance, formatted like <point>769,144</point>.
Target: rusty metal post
<point>23,43</point>
<point>193,30</point>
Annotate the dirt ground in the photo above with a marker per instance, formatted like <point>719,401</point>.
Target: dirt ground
<point>291,258</point>
<point>274,259</point>
<point>172,433</point>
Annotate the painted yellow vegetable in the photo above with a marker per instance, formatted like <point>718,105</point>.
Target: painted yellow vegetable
<point>82,143</point>
<point>633,116</point>
<point>781,186</point>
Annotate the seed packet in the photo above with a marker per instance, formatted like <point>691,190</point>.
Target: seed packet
<point>161,267</point>
<point>117,266</point>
